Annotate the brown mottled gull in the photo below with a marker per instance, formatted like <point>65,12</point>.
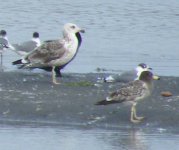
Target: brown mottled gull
<point>54,53</point>
<point>132,92</point>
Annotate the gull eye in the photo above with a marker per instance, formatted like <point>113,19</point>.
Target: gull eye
<point>73,27</point>
<point>145,66</point>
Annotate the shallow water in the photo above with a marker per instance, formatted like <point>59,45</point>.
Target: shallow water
<point>44,116</point>
<point>119,35</point>
<point>69,138</point>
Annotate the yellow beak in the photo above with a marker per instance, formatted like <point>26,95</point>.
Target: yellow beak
<point>156,77</point>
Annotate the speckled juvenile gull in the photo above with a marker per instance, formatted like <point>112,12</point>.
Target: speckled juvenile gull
<point>27,46</point>
<point>54,53</point>
<point>128,75</point>
<point>132,92</point>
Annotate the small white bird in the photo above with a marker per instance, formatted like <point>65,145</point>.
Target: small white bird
<point>4,43</point>
<point>54,53</point>
<point>27,46</point>
<point>132,92</point>
<point>128,75</point>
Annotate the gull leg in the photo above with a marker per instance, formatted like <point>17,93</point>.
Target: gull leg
<point>54,79</point>
<point>57,71</point>
<point>1,59</point>
<point>134,117</point>
<point>1,67</point>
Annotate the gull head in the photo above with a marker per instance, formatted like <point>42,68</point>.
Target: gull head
<point>71,28</point>
<point>3,33</point>
<point>142,67</point>
<point>35,35</point>
<point>147,76</point>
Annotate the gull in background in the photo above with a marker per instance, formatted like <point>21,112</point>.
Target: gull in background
<point>27,46</point>
<point>4,43</point>
<point>54,53</point>
<point>132,92</point>
<point>128,75</point>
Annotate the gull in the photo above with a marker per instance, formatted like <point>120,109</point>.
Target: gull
<point>4,43</point>
<point>59,68</point>
<point>132,92</point>
<point>54,53</point>
<point>128,75</point>
<point>27,46</point>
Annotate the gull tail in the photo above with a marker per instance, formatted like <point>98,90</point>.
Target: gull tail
<point>105,102</point>
<point>17,62</point>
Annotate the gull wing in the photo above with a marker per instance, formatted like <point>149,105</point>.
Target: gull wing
<point>130,92</point>
<point>48,51</point>
<point>3,43</point>
<point>26,46</point>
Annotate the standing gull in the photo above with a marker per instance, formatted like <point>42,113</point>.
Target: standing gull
<point>54,53</point>
<point>132,92</point>
<point>59,68</point>
<point>27,46</point>
<point>4,43</point>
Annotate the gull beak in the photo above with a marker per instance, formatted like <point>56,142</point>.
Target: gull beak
<point>82,30</point>
<point>150,68</point>
<point>156,77</point>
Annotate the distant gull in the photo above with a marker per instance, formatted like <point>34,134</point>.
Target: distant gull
<point>4,43</point>
<point>132,92</point>
<point>27,46</point>
<point>128,75</point>
<point>54,53</point>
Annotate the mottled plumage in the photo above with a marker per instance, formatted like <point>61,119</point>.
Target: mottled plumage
<point>46,54</point>
<point>58,68</point>
<point>54,53</point>
<point>132,92</point>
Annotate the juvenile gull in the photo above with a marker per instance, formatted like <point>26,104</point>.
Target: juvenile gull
<point>24,48</point>
<point>59,68</point>
<point>54,53</point>
<point>132,92</point>
<point>128,75</point>
<point>27,46</point>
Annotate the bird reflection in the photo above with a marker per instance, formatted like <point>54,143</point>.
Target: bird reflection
<point>130,139</point>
